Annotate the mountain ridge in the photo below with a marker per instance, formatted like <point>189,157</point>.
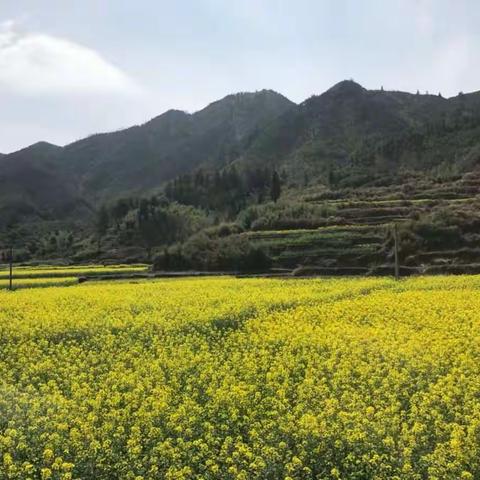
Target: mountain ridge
<point>133,160</point>
<point>348,133</point>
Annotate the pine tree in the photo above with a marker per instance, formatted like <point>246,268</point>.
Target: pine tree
<point>101,224</point>
<point>275,187</point>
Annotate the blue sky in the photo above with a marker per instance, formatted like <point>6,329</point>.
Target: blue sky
<point>71,68</point>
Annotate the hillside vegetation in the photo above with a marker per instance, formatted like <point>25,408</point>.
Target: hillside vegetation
<point>196,191</point>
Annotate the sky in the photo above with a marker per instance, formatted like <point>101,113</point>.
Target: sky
<point>72,68</point>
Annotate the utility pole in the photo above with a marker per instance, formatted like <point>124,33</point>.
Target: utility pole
<point>397,266</point>
<point>10,278</point>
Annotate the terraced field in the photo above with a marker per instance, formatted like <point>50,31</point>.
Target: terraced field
<point>327,247</point>
<point>357,236</point>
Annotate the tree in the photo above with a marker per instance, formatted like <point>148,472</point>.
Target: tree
<point>275,187</point>
<point>119,210</point>
<point>101,224</point>
<point>330,178</point>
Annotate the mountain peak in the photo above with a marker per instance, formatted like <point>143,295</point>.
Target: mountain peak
<point>243,112</point>
<point>169,117</point>
<point>174,113</point>
<point>43,144</point>
<point>346,87</point>
<point>40,147</point>
<point>258,93</point>
<point>249,98</point>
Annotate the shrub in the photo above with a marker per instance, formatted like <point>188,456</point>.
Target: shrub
<point>283,215</point>
<point>201,252</point>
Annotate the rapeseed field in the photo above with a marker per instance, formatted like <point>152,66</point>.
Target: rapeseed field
<point>225,378</point>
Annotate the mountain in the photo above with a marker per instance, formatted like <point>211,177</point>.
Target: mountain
<point>141,158</point>
<point>347,136</point>
<point>349,129</point>
<point>46,181</point>
<point>34,185</point>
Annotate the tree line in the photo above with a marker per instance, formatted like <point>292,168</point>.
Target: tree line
<point>227,191</point>
<point>188,204</point>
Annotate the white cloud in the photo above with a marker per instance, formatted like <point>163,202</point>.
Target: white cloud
<point>36,63</point>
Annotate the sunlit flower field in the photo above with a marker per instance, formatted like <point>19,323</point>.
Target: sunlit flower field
<point>224,378</point>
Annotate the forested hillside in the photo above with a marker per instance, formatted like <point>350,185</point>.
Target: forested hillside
<point>254,181</point>
<point>49,182</point>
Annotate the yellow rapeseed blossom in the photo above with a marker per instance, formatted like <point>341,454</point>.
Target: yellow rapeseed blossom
<point>225,378</point>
